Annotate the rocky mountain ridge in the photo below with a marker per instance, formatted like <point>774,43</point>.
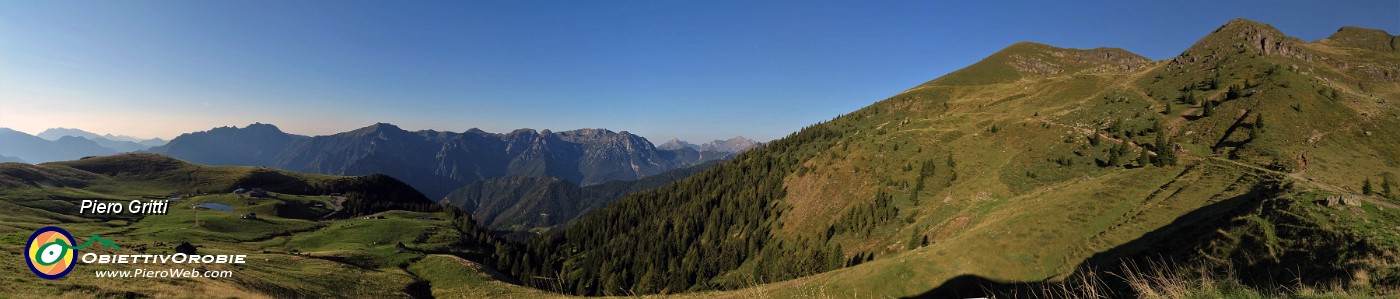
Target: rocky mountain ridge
<point>437,162</point>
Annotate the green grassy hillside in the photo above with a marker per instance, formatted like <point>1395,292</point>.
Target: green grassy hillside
<point>1018,168</point>
<point>294,249</point>
<point>1034,198</point>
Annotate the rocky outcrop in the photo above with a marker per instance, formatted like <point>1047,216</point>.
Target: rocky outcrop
<point>1339,200</point>
<point>1046,60</point>
<point>1241,36</point>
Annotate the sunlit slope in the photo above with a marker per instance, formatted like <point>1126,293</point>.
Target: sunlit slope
<point>1018,168</point>
<point>1020,193</point>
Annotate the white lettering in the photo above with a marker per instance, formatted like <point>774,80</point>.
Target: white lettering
<point>96,207</point>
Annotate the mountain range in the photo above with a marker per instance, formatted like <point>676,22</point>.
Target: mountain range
<point>22,147</point>
<point>4,159</point>
<point>118,142</point>
<point>437,162</point>
<point>733,145</point>
<point>59,144</point>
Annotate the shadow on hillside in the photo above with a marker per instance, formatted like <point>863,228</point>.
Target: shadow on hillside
<point>973,286</point>
<point>1173,241</point>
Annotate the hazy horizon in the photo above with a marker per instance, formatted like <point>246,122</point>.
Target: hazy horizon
<point>693,71</point>
<point>655,140</point>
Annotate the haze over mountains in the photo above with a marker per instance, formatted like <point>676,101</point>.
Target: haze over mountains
<point>55,133</point>
<point>120,144</point>
<point>732,145</point>
<point>59,144</point>
<point>437,162</point>
<point>31,149</point>
<point>4,159</point>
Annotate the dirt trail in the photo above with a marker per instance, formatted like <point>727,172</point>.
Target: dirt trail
<point>1299,177</point>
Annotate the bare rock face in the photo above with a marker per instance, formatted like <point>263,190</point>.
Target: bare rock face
<point>1270,41</point>
<point>1046,60</point>
<point>1339,200</point>
<point>1241,36</point>
<point>1035,65</point>
<point>1110,60</point>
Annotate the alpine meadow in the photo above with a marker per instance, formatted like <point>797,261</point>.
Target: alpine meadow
<point>1253,164</point>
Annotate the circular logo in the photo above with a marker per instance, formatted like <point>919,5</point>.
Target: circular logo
<point>50,252</point>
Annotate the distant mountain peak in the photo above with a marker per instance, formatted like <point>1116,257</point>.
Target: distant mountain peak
<point>523,131</point>
<point>598,135</point>
<point>60,132</point>
<point>34,149</point>
<point>676,143</point>
<point>120,143</point>
<point>740,138</point>
<point>737,144</point>
<point>592,132</point>
<point>7,159</point>
<point>262,126</point>
<point>380,128</point>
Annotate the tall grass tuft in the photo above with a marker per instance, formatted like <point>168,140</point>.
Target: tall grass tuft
<point>1164,279</point>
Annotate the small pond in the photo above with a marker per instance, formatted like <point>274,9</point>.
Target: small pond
<point>214,206</point>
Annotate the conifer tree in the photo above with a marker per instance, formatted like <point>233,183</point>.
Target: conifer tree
<point>1385,187</point>
<point>1166,150</point>
<point>1190,98</point>
<point>1233,93</point>
<point>1143,159</point>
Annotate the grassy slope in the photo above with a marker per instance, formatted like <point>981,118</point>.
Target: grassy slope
<point>1012,214</point>
<point>291,254</point>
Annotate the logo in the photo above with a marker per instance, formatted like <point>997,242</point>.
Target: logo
<point>51,251</point>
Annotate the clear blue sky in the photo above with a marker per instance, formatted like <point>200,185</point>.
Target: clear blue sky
<point>697,70</point>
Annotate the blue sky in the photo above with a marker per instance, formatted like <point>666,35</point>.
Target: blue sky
<point>697,70</point>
